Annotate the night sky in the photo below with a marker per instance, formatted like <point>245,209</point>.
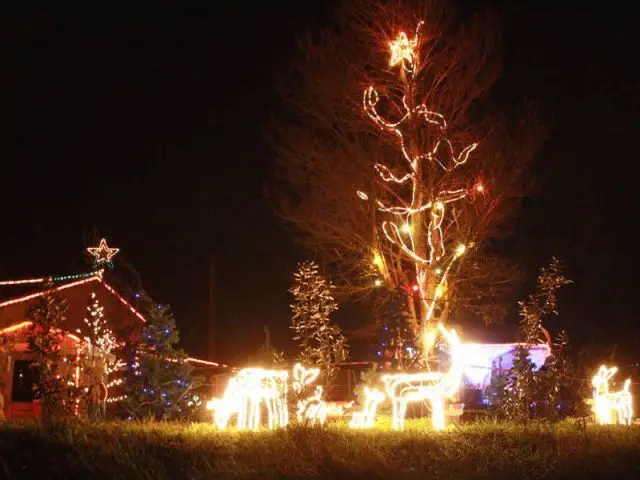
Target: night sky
<point>149,131</point>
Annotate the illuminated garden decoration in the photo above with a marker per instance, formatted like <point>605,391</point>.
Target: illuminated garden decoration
<point>312,409</point>
<point>611,407</point>
<point>321,342</point>
<point>405,388</point>
<point>246,393</point>
<point>415,202</point>
<point>366,418</point>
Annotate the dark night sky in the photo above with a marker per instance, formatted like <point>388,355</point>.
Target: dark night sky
<point>150,131</point>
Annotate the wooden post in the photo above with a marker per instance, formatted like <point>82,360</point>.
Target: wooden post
<point>211,338</point>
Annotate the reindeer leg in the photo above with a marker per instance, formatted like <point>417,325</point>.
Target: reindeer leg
<point>394,413</point>
<point>437,413</point>
<point>402,412</point>
<point>241,420</point>
<point>284,411</point>
<point>269,403</point>
<point>254,421</point>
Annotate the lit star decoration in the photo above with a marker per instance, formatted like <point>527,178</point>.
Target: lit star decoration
<point>102,254</point>
<point>412,213</point>
<point>611,407</point>
<point>403,50</point>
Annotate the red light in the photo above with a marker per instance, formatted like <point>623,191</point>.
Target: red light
<point>415,288</point>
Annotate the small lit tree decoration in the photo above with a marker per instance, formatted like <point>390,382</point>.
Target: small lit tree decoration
<point>102,254</point>
<point>366,418</point>
<point>606,404</point>
<point>101,341</point>
<point>312,409</point>
<point>405,388</point>
<point>244,396</point>
<point>321,342</point>
<point>416,200</point>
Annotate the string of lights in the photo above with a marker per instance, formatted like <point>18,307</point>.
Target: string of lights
<point>403,230</point>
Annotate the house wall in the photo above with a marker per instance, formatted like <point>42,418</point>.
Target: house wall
<point>21,352</point>
<point>119,316</point>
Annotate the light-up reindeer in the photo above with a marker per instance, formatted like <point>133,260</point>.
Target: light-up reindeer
<point>366,418</point>
<point>245,394</point>
<point>312,409</point>
<point>605,403</point>
<point>405,388</point>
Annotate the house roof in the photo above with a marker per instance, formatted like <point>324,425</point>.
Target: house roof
<point>63,283</point>
<point>13,308</point>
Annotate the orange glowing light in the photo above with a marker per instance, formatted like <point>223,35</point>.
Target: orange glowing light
<point>16,327</point>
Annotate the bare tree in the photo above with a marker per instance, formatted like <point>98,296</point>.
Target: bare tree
<point>436,167</point>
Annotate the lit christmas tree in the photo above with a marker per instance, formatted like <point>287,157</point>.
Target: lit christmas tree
<point>160,384</point>
<point>56,384</point>
<point>321,342</point>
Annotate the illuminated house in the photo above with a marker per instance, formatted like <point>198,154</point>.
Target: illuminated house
<point>481,358</point>
<point>16,377</point>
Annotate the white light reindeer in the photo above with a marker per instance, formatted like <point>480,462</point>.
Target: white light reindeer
<point>366,418</point>
<point>404,388</point>
<point>245,394</point>
<point>606,403</point>
<point>311,409</point>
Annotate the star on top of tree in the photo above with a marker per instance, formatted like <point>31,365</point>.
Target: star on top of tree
<point>102,253</point>
<point>403,49</point>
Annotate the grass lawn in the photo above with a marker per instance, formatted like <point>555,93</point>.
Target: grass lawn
<point>198,451</point>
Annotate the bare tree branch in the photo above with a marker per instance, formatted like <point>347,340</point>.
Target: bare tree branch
<point>327,149</point>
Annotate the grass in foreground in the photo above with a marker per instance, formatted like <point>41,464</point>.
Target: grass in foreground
<point>198,451</point>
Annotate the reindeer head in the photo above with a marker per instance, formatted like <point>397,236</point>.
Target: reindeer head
<point>222,411</point>
<point>600,381</point>
<point>303,376</point>
<point>373,396</point>
<point>223,408</point>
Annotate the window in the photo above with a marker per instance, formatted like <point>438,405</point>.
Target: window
<point>23,380</point>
